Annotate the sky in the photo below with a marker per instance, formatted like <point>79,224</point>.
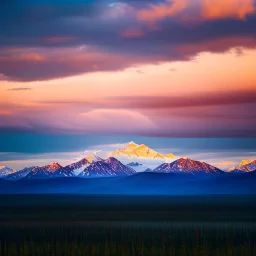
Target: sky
<point>168,73</point>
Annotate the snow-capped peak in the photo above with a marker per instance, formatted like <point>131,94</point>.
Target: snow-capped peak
<point>134,150</point>
<point>54,166</point>
<point>106,168</point>
<point>186,165</point>
<point>93,158</point>
<point>4,171</point>
<point>245,161</point>
<point>244,166</point>
<point>131,145</point>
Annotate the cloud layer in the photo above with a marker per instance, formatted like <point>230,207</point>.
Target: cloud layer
<point>46,40</point>
<point>48,43</point>
<point>202,115</point>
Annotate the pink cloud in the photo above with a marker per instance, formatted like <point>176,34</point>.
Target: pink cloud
<point>116,120</point>
<point>47,63</point>
<point>160,11</point>
<point>189,10</point>
<point>216,9</point>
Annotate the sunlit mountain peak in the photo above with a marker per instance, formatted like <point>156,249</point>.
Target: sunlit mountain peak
<point>245,161</point>
<point>134,150</point>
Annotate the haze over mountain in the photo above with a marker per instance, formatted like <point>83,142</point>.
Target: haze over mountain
<point>138,167</point>
<point>147,183</point>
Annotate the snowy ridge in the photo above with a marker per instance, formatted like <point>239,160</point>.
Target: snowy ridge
<point>20,174</point>
<point>106,168</point>
<point>128,160</point>
<point>133,150</point>
<point>187,166</point>
<point>73,169</point>
<point>44,172</point>
<point>93,158</point>
<point>4,171</point>
<point>244,166</point>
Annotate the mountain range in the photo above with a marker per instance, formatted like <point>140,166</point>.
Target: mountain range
<point>188,166</point>
<point>106,168</point>
<point>94,166</point>
<point>44,172</point>
<point>112,167</point>
<point>244,166</point>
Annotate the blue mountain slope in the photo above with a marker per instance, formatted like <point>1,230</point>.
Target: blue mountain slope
<point>20,174</point>
<point>110,167</point>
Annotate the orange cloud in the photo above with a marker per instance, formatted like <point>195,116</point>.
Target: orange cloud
<point>225,164</point>
<point>157,12</point>
<point>132,33</point>
<point>215,9</point>
<point>206,9</point>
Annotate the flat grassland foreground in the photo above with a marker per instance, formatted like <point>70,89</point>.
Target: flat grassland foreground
<point>127,225</point>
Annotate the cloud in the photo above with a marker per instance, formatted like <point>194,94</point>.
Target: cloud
<point>96,121</point>
<point>203,9</point>
<point>184,101</point>
<point>42,40</point>
<point>215,9</point>
<point>48,63</point>
<point>127,121</point>
<point>162,10</point>
<point>224,165</point>
<point>216,45</point>
<point>44,64</point>
<point>204,115</point>
<point>21,160</point>
<point>139,71</point>
<point>20,89</point>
